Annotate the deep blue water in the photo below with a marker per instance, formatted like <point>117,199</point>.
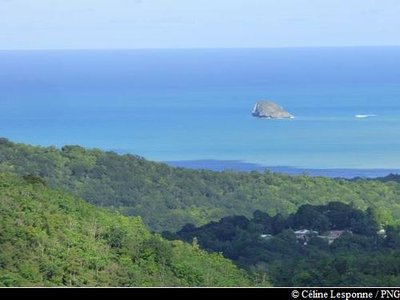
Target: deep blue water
<point>240,166</point>
<point>174,105</point>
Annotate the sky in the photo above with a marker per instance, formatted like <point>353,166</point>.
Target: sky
<point>132,24</point>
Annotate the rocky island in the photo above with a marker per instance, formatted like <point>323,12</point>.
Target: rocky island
<point>270,110</point>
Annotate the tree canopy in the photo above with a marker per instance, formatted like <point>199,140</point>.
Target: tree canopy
<point>49,238</point>
<point>168,198</point>
<point>326,245</point>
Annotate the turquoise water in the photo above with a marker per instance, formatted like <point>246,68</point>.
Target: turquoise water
<point>172,105</point>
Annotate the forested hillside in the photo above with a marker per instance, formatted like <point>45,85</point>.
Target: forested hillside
<point>48,238</point>
<point>329,245</point>
<point>168,198</point>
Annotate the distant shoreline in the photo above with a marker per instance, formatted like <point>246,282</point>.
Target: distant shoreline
<point>240,166</point>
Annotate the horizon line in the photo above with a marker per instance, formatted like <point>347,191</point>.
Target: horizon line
<point>201,48</point>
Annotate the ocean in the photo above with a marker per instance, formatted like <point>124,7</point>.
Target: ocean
<point>195,105</point>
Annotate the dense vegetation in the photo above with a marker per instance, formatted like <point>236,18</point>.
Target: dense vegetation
<point>330,245</point>
<point>167,198</point>
<point>49,238</point>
